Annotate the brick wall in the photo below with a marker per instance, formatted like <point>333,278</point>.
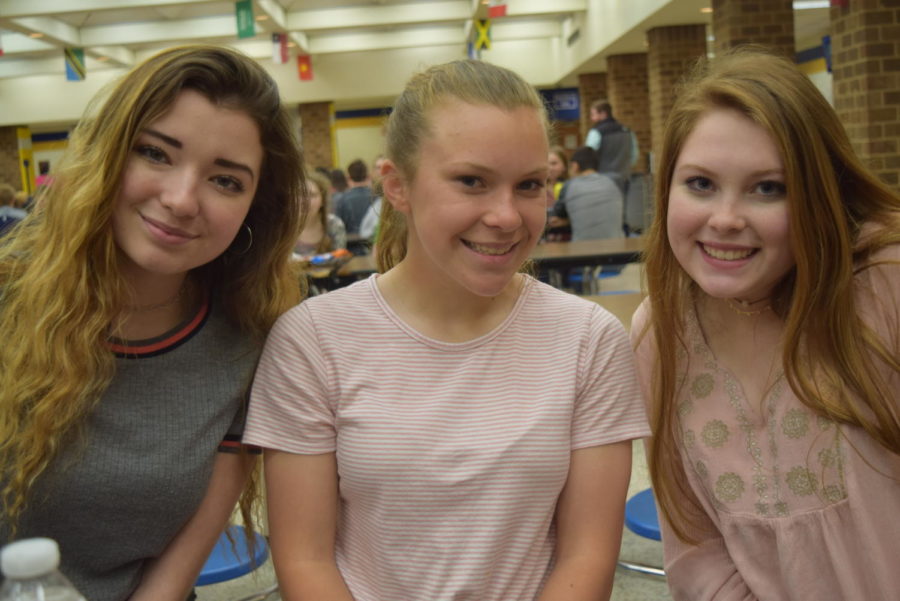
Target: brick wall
<point>315,133</point>
<point>9,158</point>
<point>769,22</point>
<point>591,87</point>
<point>865,50</point>
<point>626,80</point>
<point>671,53</point>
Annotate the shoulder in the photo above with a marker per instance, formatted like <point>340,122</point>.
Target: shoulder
<point>877,284</point>
<point>564,311</point>
<point>328,314</point>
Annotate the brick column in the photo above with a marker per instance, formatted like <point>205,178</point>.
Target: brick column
<point>316,133</point>
<point>626,80</point>
<point>865,50</point>
<point>769,22</point>
<point>672,52</point>
<point>9,157</point>
<point>591,87</point>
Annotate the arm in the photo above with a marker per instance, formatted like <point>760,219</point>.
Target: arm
<point>171,576</point>
<point>703,572</point>
<point>302,492</point>
<point>589,518</point>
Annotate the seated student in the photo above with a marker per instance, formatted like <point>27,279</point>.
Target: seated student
<point>135,299</point>
<point>357,199</point>
<point>338,186</point>
<point>9,213</point>
<point>589,202</point>
<point>323,231</point>
<point>421,443</point>
<point>769,346</point>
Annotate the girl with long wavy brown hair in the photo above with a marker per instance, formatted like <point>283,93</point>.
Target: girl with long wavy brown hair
<point>768,347</point>
<point>134,301</point>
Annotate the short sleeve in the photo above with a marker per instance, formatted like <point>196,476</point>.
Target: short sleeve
<point>608,406</point>
<point>290,403</point>
<point>232,441</point>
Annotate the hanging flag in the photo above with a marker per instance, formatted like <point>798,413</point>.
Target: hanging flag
<point>304,67</point>
<point>243,12</point>
<point>75,70</point>
<point>497,8</point>
<point>483,34</point>
<point>279,48</point>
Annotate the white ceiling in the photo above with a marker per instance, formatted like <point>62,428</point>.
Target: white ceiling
<point>119,33</point>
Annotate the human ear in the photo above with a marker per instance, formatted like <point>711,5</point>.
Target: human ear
<point>394,185</point>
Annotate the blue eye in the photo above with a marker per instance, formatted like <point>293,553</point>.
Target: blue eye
<point>532,185</point>
<point>771,188</point>
<point>699,183</point>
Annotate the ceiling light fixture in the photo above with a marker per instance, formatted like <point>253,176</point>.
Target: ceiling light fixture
<point>706,9</point>
<point>804,4</point>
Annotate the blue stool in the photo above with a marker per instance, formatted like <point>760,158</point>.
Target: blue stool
<point>642,519</point>
<point>640,515</point>
<point>227,562</point>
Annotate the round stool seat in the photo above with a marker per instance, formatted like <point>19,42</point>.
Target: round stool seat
<point>223,564</point>
<point>640,515</point>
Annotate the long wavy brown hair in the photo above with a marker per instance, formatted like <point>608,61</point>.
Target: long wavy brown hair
<point>60,283</point>
<point>830,358</point>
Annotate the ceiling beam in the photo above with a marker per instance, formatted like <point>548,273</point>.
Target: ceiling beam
<point>379,16</point>
<point>33,8</point>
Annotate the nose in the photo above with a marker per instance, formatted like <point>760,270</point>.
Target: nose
<point>727,215</point>
<point>503,212</point>
<point>179,194</point>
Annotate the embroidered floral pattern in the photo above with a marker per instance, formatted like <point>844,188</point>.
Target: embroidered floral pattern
<point>729,487</point>
<point>828,457</point>
<point>701,469</point>
<point>782,456</point>
<point>702,385</point>
<point>715,434</point>
<point>795,424</point>
<point>802,482</point>
<point>834,493</point>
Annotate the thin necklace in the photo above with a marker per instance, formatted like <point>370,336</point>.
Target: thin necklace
<point>743,307</point>
<point>166,303</point>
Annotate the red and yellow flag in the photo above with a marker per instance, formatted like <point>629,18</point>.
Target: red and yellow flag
<point>304,67</point>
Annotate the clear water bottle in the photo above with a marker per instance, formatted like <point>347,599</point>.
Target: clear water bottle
<point>31,572</point>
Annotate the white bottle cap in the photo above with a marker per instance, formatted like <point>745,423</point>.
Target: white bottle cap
<point>29,558</point>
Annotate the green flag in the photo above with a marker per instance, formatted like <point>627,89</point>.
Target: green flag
<point>243,10</point>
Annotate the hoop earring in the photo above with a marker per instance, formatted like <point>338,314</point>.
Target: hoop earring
<point>249,241</point>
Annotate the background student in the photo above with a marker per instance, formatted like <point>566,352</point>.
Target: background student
<point>135,299</point>
<point>768,348</point>
<point>451,428</point>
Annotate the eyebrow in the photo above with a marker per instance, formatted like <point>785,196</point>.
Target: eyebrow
<point>486,169</point>
<point>219,161</point>
<point>758,173</point>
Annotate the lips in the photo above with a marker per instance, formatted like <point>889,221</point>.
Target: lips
<point>492,249</point>
<point>167,231</point>
<point>727,254</point>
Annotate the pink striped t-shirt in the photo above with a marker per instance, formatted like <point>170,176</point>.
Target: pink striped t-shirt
<point>451,456</point>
